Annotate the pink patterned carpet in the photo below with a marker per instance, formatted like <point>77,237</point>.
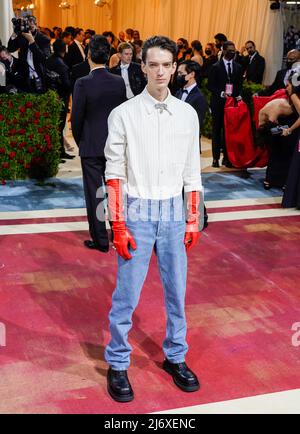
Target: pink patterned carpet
<point>243,298</point>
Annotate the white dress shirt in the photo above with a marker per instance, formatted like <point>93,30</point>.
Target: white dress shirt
<point>79,45</point>
<point>124,72</point>
<point>188,91</point>
<point>226,62</point>
<point>154,152</point>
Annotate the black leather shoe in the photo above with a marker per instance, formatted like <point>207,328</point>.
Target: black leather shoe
<point>66,156</point>
<point>118,386</point>
<point>216,164</point>
<point>227,163</point>
<point>183,377</point>
<point>93,246</point>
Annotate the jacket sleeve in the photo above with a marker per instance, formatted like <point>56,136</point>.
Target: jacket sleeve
<point>261,70</point>
<point>14,44</point>
<point>41,49</point>
<point>240,80</point>
<point>213,80</point>
<point>78,110</point>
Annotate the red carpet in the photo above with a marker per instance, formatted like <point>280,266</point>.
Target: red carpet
<point>242,301</point>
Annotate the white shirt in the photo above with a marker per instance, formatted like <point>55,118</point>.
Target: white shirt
<point>79,45</point>
<point>155,153</point>
<point>252,57</point>
<point>2,75</point>
<point>226,62</point>
<point>124,72</point>
<point>32,71</point>
<point>189,90</point>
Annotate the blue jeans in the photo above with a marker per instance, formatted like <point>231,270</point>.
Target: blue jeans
<point>159,225</point>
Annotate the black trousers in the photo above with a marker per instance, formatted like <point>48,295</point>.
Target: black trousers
<point>218,134</point>
<point>93,169</point>
<point>62,124</point>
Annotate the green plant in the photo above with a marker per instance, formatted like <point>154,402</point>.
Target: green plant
<point>29,136</point>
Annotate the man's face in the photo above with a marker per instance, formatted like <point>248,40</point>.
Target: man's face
<point>182,72</point>
<point>292,57</point>
<point>159,67</point>
<point>4,56</point>
<point>68,40</point>
<point>218,43</point>
<point>230,52</point>
<point>32,25</point>
<point>250,48</point>
<point>126,56</point>
<point>122,36</point>
<point>136,35</point>
<point>81,37</point>
<point>180,44</point>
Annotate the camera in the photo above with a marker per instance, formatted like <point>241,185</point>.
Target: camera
<point>21,25</point>
<point>277,131</point>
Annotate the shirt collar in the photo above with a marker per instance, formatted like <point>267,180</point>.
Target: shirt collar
<point>227,61</point>
<point>98,67</point>
<point>124,66</point>
<point>151,102</point>
<point>190,88</point>
<point>78,43</point>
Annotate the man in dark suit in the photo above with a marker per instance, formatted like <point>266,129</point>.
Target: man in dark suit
<point>78,71</point>
<point>132,74</point>
<point>254,64</point>
<point>95,96</point>
<point>34,49</point>
<point>15,70</point>
<point>76,53</point>
<point>282,76</point>
<point>225,80</point>
<point>63,87</point>
<point>188,75</point>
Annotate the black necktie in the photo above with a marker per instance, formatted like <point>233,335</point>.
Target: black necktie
<point>184,91</point>
<point>229,71</point>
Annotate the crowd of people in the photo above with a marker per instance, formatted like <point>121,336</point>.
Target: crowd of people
<point>43,51</point>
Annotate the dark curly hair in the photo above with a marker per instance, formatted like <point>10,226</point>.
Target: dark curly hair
<point>161,42</point>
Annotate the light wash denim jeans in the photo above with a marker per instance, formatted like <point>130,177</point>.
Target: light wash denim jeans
<point>160,225</point>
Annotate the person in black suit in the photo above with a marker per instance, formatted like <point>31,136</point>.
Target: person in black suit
<point>95,96</point>
<point>282,76</point>
<point>225,80</point>
<point>187,79</point>
<point>78,71</point>
<point>254,64</point>
<point>34,49</point>
<point>15,70</point>
<point>76,53</point>
<point>132,73</point>
<point>56,63</point>
<point>209,60</point>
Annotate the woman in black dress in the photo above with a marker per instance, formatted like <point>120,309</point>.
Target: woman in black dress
<point>291,198</point>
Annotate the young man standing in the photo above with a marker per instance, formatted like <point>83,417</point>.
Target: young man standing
<point>153,152</point>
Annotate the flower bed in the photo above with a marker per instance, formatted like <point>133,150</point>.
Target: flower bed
<point>29,136</point>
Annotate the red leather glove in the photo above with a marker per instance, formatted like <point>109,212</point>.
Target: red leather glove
<point>192,234</point>
<point>122,237</point>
